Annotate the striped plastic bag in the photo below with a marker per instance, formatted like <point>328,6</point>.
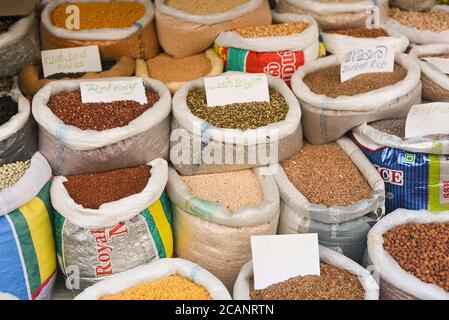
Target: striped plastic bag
<point>96,243</point>
<point>27,249</point>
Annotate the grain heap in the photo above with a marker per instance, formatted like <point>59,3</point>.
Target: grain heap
<point>434,20</point>
<point>5,84</point>
<point>12,172</point>
<point>396,127</point>
<point>274,30</point>
<point>6,23</point>
<point>362,32</point>
<point>8,108</point>
<point>204,7</point>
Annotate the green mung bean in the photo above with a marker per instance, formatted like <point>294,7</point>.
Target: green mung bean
<point>12,172</point>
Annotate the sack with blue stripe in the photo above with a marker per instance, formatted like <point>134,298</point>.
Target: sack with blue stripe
<point>27,247</point>
<point>93,244</point>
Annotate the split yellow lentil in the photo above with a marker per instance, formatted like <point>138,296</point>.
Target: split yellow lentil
<point>11,173</point>
<point>98,15</point>
<point>169,288</point>
<point>274,30</point>
<point>203,7</point>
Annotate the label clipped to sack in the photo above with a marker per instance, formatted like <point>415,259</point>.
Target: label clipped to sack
<point>369,59</point>
<point>113,90</point>
<point>427,119</point>
<point>277,258</point>
<point>441,63</point>
<point>236,88</point>
<point>71,60</point>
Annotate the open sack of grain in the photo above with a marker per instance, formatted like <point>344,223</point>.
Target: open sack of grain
<point>165,279</point>
<point>345,40</point>
<point>340,279</point>
<point>186,27</point>
<point>119,28</point>
<point>424,27</point>
<point>18,132</point>
<point>31,79</point>
<point>19,43</point>
<point>332,190</point>
<point>277,50</point>
<point>336,14</point>
<point>27,250</point>
<point>215,215</point>
<point>235,136</point>
<point>79,137</point>
<point>110,222</point>
<point>330,107</point>
<point>409,250</point>
<point>435,83</point>
<point>413,169</point>
<point>413,5</point>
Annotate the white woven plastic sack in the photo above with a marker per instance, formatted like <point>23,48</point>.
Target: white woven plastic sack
<point>416,35</point>
<point>7,296</point>
<point>395,281</point>
<point>341,44</point>
<point>241,287</point>
<point>71,150</point>
<point>152,272</point>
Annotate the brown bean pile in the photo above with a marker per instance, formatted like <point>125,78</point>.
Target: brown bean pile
<point>91,190</point>
<point>422,250</point>
<point>274,30</point>
<point>68,107</point>
<point>327,81</point>
<point>362,32</point>
<point>326,175</point>
<point>433,20</point>
<point>332,284</point>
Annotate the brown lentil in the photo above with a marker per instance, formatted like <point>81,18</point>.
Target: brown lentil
<point>396,127</point>
<point>91,190</point>
<point>326,175</point>
<point>233,189</point>
<point>362,32</point>
<point>8,108</point>
<point>5,84</point>
<point>97,15</point>
<point>434,20</point>
<point>421,249</point>
<point>332,284</point>
<point>168,69</point>
<point>7,22</point>
<point>327,81</point>
<point>274,30</point>
<point>168,288</point>
<point>11,173</point>
<point>68,107</point>
<point>241,116</point>
<point>203,7</point>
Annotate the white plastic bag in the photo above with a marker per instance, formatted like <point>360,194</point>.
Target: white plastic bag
<point>152,272</point>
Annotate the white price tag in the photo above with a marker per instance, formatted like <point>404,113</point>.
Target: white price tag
<point>376,58</point>
<point>71,60</point>
<point>427,119</point>
<point>113,90</point>
<point>236,88</point>
<point>441,63</point>
<point>280,257</point>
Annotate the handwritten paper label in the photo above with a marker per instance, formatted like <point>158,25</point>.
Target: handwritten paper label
<point>376,58</point>
<point>441,63</point>
<point>70,60</point>
<point>427,119</point>
<point>236,88</point>
<point>113,90</point>
<point>281,257</point>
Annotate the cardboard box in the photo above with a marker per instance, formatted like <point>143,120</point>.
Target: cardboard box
<point>17,7</point>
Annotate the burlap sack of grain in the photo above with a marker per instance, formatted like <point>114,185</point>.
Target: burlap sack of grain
<point>395,282</point>
<point>154,271</point>
<point>342,229</point>
<point>96,243</point>
<point>18,136</point>
<point>196,147</point>
<point>19,46</point>
<point>278,56</point>
<point>341,44</point>
<point>30,81</point>
<point>435,84</point>
<point>420,36</point>
<point>326,119</point>
<point>137,41</point>
<point>71,150</point>
<point>334,15</point>
<point>242,285</point>
<point>413,5</point>
<point>217,239</point>
<point>182,34</point>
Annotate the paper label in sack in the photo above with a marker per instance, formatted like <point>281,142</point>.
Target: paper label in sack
<point>375,58</point>
<point>427,119</point>
<point>441,63</point>
<point>113,90</point>
<point>71,60</point>
<point>236,88</point>
<point>277,258</point>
